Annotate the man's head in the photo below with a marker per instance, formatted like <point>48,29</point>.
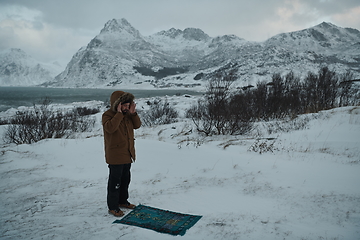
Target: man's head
<point>124,98</point>
<point>125,107</point>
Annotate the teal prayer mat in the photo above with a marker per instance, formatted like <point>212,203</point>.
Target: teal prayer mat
<point>159,220</point>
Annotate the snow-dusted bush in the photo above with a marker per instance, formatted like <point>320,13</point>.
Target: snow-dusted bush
<point>84,111</point>
<point>224,110</point>
<point>41,122</point>
<point>219,113</point>
<point>159,113</point>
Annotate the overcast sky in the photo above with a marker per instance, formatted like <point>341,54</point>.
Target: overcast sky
<point>55,29</point>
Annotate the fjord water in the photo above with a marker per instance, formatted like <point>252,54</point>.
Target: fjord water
<point>13,97</point>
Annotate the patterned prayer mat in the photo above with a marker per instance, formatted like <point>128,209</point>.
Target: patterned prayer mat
<point>159,220</point>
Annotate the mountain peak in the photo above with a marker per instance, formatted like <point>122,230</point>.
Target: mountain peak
<point>326,25</point>
<point>188,34</point>
<point>171,33</point>
<point>116,24</point>
<point>14,52</point>
<point>333,33</point>
<point>119,26</point>
<point>324,35</point>
<point>195,34</point>
<point>17,68</point>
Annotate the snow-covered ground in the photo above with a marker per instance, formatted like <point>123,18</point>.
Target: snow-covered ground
<point>303,184</point>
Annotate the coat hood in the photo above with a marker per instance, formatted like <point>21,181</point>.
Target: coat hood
<point>118,97</point>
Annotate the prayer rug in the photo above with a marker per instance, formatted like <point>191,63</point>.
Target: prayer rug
<point>159,220</point>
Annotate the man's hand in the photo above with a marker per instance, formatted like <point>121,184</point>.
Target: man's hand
<point>119,108</point>
<point>132,108</point>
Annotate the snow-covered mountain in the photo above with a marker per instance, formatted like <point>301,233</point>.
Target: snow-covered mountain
<point>323,44</point>
<point>120,56</point>
<point>322,37</point>
<point>19,69</point>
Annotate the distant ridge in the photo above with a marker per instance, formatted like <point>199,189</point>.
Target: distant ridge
<point>17,68</point>
<point>120,56</point>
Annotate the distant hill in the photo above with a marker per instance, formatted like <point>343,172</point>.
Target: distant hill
<point>119,56</point>
<point>19,69</point>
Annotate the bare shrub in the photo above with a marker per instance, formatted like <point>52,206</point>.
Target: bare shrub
<point>201,117</point>
<point>219,112</point>
<point>41,122</point>
<point>85,111</point>
<point>287,125</point>
<point>224,110</point>
<point>263,145</point>
<point>159,113</point>
<point>321,91</point>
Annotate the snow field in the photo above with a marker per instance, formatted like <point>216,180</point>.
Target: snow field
<point>304,185</point>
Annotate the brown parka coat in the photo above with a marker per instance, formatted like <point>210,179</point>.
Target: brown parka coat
<point>119,131</point>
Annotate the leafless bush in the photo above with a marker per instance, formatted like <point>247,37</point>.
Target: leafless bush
<point>201,117</point>
<point>159,113</point>
<point>41,122</point>
<point>85,111</point>
<point>263,145</point>
<point>321,91</point>
<point>288,96</point>
<point>4,122</point>
<point>287,125</point>
<point>224,110</point>
<point>220,113</point>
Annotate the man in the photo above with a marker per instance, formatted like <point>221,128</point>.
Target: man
<point>119,123</point>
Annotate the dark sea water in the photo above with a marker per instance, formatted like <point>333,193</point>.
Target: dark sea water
<point>13,97</point>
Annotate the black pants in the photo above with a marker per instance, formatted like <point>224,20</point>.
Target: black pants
<point>118,185</point>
